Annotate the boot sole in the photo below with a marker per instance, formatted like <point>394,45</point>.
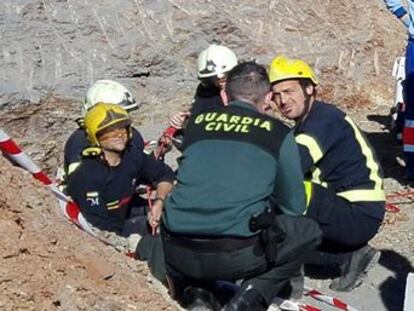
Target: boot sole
<point>362,276</point>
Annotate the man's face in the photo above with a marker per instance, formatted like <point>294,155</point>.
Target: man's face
<point>220,83</point>
<point>114,140</point>
<point>290,99</point>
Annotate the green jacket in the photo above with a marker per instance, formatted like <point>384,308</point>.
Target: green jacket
<point>236,162</point>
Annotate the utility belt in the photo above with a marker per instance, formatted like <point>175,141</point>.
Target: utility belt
<point>270,234</point>
<point>209,244</point>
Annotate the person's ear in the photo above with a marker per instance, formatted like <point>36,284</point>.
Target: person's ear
<point>268,97</point>
<point>310,89</point>
<point>224,96</point>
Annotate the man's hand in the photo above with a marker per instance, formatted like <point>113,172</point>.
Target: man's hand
<point>154,215</point>
<point>177,120</point>
<point>166,140</point>
<point>270,108</point>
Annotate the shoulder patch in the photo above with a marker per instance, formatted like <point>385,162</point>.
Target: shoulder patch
<point>91,152</point>
<point>93,198</point>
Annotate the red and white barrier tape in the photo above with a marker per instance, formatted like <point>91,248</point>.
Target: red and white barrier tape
<point>288,305</point>
<point>69,208</point>
<point>332,301</point>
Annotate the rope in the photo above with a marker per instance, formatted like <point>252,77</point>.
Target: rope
<point>159,154</point>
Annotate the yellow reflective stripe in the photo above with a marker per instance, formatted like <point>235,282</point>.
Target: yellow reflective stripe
<point>371,165</point>
<point>363,195</point>
<point>72,167</point>
<point>316,177</point>
<point>112,203</point>
<point>310,143</point>
<point>308,194</point>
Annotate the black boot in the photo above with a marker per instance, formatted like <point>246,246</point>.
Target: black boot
<point>354,270</point>
<point>294,288</point>
<point>246,299</point>
<point>199,299</point>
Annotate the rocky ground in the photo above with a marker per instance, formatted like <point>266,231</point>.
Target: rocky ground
<point>52,50</point>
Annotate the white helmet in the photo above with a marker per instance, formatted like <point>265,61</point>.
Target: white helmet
<point>216,60</point>
<point>111,92</point>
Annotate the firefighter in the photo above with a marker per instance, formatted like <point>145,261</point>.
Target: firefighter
<point>213,65</point>
<point>104,183</point>
<point>344,179</point>
<point>219,221</point>
<point>106,91</point>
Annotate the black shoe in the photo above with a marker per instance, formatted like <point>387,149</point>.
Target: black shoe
<point>294,287</point>
<point>297,284</point>
<point>354,270</point>
<point>246,299</point>
<point>199,299</point>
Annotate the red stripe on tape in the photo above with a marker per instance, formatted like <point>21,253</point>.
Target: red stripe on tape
<point>72,210</point>
<point>10,147</point>
<point>42,178</point>
<point>338,303</point>
<point>313,292</point>
<point>309,308</point>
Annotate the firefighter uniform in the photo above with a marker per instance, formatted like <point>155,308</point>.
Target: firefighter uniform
<point>235,163</point>
<point>346,195</point>
<point>105,196</point>
<point>206,97</point>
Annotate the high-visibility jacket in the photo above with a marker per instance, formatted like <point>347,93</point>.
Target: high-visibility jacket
<point>336,155</point>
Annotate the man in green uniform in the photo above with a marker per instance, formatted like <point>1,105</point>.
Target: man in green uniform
<point>220,221</point>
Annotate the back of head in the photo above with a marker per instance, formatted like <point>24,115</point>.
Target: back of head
<point>104,117</point>
<point>215,61</point>
<point>248,81</point>
<point>108,91</point>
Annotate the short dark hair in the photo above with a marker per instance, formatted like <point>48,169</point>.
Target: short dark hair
<point>304,83</point>
<point>248,81</point>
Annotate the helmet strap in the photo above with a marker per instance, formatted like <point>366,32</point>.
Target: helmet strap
<point>309,98</point>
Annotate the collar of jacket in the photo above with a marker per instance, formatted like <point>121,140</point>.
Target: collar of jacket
<point>243,104</point>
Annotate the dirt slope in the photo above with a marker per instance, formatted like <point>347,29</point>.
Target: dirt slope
<point>49,264</point>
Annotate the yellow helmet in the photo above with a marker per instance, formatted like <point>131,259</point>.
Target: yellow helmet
<point>102,117</point>
<point>283,68</point>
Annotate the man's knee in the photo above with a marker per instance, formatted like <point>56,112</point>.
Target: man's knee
<point>302,235</point>
<point>304,230</point>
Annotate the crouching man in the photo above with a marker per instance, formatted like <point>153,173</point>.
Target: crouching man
<point>103,185</point>
<point>219,222</point>
<point>345,186</point>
